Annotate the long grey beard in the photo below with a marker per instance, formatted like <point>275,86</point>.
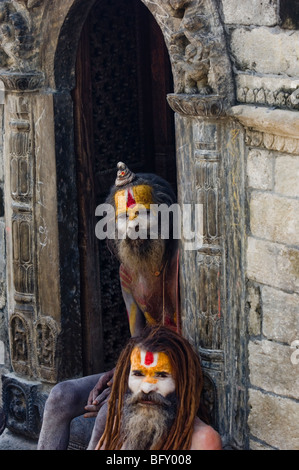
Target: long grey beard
<point>142,255</point>
<point>144,426</point>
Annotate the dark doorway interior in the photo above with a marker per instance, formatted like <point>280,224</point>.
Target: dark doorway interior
<point>123,75</point>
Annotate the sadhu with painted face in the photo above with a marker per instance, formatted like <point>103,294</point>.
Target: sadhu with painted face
<point>155,398</point>
<point>149,282</point>
<point>157,383</point>
<point>146,247</point>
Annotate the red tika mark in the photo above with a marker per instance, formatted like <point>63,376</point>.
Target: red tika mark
<point>149,358</point>
<point>131,201</point>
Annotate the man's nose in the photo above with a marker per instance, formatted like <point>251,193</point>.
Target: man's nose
<point>132,213</point>
<point>148,385</point>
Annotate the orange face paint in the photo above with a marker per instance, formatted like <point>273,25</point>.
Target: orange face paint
<point>150,365</point>
<point>133,199</point>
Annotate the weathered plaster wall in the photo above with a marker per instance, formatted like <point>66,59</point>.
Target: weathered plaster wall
<point>266,66</point>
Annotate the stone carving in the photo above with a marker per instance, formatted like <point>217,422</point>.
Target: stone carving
<point>195,48</point>
<point>209,316</point>
<point>18,405</point>
<point>23,270</point>
<point>20,166</point>
<point>294,98</point>
<point>23,405</point>
<point>16,38</point>
<point>19,148</point>
<point>282,98</point>
<point>190,105</point>
<point>20,343</point>
<point>46,336</point>
<point>190,47</point>
<point>20,82</point>
<point>272,142</point>
<point>195,64</point>
<point>208,186</point>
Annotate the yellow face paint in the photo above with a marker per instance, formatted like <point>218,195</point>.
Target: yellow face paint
<point>150,364</point>
<point>150,372</point>
<point>132,200</point>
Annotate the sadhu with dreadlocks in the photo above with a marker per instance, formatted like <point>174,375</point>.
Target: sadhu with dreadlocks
<point>155,398</point>
<point>149,283</point>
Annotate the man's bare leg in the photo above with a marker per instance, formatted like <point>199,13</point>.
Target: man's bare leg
<point>65,402</point>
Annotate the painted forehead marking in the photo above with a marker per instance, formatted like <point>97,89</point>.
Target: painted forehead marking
<point>149,361</point>
<point>148,358</point>
<point>132,197</point>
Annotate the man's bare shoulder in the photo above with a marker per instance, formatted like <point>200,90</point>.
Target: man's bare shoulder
<point>205,437</point>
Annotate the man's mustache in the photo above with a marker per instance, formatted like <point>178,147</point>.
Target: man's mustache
<point>153,397</point>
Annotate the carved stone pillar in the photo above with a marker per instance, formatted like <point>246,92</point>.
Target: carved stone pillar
<point>210,173</point>
<point>31,234</point>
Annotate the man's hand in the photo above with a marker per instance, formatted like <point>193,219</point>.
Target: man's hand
<point>99,394</point>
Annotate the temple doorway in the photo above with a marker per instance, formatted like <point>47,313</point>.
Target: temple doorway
<point>123,75</point>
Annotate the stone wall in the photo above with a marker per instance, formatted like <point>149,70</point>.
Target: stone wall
<point>265,53</point>
<point>273,300</point>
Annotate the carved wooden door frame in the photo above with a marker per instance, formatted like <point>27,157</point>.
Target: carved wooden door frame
<point>151,117</point>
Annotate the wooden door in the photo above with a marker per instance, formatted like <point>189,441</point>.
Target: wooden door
<point>123,75</point>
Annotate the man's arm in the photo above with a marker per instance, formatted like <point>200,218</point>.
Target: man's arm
<point>136,317</point>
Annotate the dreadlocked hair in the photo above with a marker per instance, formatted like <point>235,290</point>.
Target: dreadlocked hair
<point>188,377</point>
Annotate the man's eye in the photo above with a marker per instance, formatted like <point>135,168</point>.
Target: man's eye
<point>137,373</point>
<point>161,374</point>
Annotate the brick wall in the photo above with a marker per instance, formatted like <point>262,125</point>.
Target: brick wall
<point>273,298</point>
<point>265,54</point>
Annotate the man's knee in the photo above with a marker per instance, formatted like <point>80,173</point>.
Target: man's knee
<point>62,397</point>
